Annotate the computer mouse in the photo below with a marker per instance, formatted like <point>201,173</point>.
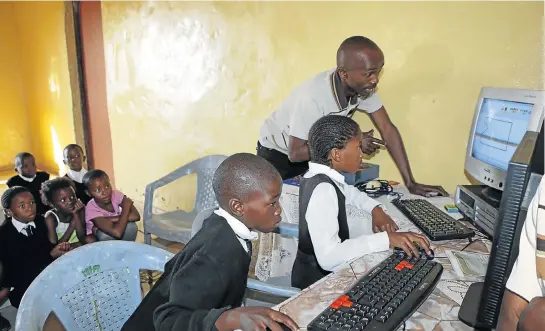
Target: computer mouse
<point>424,255</point>
<point>372,184</point>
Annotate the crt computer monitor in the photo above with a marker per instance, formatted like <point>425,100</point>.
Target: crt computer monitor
<point>502,117</point>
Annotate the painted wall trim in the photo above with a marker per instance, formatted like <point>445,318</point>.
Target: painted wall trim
<point>75,69</point>
<point>94,77</point>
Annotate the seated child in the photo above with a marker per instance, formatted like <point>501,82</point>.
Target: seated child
<point>25,250</point>
<point>74,159</point>
<point>66,221</point>
<point>324,231</point>
<point>110,211</point>
<point>203,284</point>
<point>25,166</point>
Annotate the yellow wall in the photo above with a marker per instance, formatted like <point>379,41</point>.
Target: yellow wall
<point>42,45</point>
<point>186,79</point>
<point>14,124</point>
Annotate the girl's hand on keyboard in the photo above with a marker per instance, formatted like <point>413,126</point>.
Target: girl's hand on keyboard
<point>382,221</point>
<point>407,240</point>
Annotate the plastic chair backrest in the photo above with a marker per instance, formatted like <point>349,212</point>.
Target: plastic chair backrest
<point>205,168</point>
<point>94,287</point>
<point>199,219</point>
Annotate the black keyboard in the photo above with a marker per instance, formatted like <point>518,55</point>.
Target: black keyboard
<point>432,221</point>
<point>384,298</point>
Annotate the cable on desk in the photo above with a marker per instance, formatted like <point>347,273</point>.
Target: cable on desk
<point>404,326</point>
<point>469,244</point>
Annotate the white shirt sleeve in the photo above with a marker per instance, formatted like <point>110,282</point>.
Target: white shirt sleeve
<point>359,199</point>
<point>305,113</point>
<point>371,104</point>
<point>323,227</point>
<point>523,279</point>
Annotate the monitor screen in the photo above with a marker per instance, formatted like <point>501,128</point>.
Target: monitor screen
<point>500,127</point>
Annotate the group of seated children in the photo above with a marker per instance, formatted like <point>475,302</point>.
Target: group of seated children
<point>204,284</point>
<point>47,218</point>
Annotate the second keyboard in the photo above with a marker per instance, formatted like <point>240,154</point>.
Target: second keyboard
<point>432,221</point>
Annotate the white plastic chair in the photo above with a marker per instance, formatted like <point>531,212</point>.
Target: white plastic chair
<point>176,225</point>
<point>94,287</point>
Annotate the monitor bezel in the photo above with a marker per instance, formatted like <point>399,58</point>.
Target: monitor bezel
<point>481,171</point>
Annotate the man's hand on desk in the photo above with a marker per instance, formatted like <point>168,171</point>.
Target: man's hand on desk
<point>382,221</point>
<point>254,318</point>
<point>426,190</point>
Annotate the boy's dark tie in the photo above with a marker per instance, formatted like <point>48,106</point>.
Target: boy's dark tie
<point>249,245</point>
<point>29,230</point>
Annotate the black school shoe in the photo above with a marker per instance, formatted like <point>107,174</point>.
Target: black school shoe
<point>4,324</point>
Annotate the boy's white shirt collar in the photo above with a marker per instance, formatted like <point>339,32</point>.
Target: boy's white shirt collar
<point>26,178</point>
<point>20,226</point>
<point>76,175</point>
<point>238,227</point>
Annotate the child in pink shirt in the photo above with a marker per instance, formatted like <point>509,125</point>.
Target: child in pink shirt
<point>111,212</point>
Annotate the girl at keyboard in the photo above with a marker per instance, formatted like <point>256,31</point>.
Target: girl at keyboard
<point>324,230</point>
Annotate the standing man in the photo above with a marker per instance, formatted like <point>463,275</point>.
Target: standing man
<point>341,91</point>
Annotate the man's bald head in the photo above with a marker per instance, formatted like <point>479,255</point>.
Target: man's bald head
<point>351,52</point>
<point>242,174</point>
<point>359,62</point>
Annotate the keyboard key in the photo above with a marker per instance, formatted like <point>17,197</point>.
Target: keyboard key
<point>347,304</point>
<point>379,305</point>
<point>357,295</point>
<point>344,310</point>
<point>342,320</point>
<point>321,326</point>
<point>381,318</point>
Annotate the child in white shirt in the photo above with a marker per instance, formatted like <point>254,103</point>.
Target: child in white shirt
<point>324,231</point>
<point>74,158</point>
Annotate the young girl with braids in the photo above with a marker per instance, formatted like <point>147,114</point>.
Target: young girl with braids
<point>325,240</point>
<point>25,250</point>
<point>66,220</point>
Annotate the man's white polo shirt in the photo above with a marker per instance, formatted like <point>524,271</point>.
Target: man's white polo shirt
<point>319,96</point>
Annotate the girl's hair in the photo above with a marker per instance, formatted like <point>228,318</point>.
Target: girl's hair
<point>51,186</point>
<point>91,175</point>
<point>327,133</point>
<point>20,158</point>
<point>10,194</point>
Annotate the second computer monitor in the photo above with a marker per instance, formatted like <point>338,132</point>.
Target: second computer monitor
<point>502,117</point>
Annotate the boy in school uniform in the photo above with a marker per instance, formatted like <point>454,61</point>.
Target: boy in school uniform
<point>203,284</point>
<point>25,250</point>
<point>27,176</point>
<point>74,159</point>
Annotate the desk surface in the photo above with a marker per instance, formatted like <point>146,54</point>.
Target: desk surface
<point>438,312</point>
